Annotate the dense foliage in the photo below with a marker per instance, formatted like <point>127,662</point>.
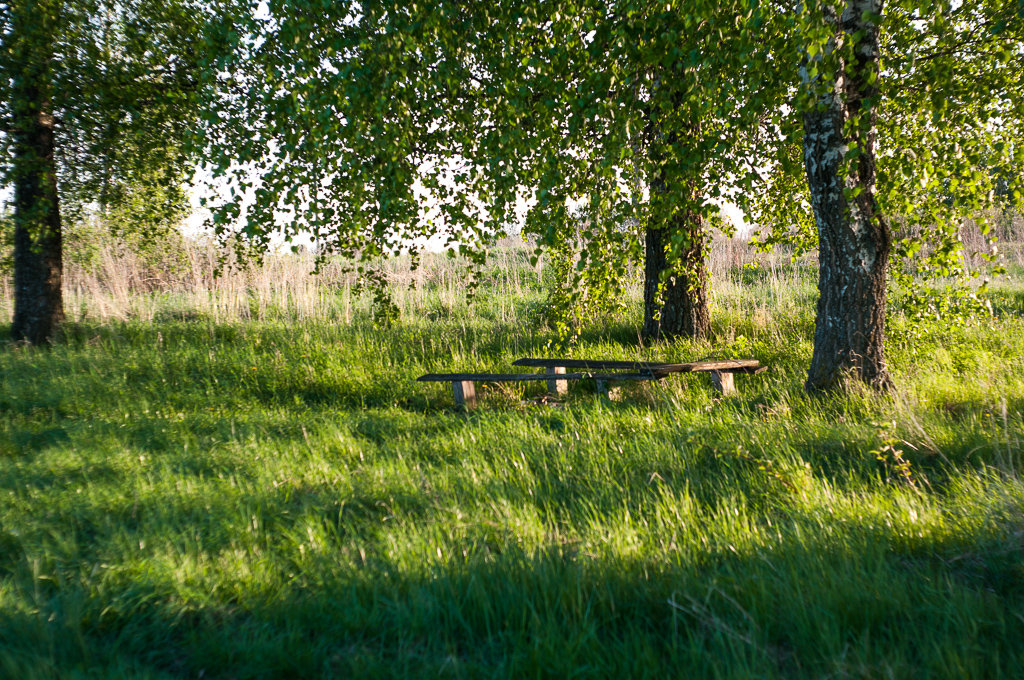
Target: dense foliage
<point>949,126</point>
<point>377,126</point>
<point>374,127</point>
<point>96,100</point>
<point>118,78</point>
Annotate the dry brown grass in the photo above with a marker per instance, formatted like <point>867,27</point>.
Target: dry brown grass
<point>120,283</point>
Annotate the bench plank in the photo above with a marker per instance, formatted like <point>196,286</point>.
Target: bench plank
<point>491,377</point>
<point>516,377</point>
<point>726,366</point>
<point>597,364</point>
<point>718,365</point>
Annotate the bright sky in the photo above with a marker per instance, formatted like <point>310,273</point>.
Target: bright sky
<point>194,223</point>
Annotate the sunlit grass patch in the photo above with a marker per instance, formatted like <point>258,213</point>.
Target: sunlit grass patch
<point>280,498</point>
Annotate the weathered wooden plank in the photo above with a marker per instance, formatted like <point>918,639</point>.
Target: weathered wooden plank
<point>720,365</point>
<point>464,392</point>
<point>725,366</point>
<point>723,382</point>
<point>489,377</point>
<point>597,364</point>
<point>516,377</point>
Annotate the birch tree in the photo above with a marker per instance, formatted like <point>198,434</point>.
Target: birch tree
<point>96,98</point>
<point>902,110</point>
<point>854,237</point>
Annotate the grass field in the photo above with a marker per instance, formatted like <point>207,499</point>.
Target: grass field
<point>262,491</point>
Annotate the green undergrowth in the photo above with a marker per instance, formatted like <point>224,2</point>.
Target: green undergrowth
<point>258,500</point>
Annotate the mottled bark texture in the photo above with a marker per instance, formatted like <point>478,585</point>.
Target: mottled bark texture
<point>38,267</point>
<point>680,307</point>
<point>854,238</point>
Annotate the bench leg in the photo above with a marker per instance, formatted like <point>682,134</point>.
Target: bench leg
<point>723,383</point>
<point>556,386</point>
<point>601,387</point>
<point>465,394</point>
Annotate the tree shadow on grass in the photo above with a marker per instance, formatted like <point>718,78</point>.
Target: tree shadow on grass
<point>806,604</point>
<point>478,597</point>
<point>33,440</point>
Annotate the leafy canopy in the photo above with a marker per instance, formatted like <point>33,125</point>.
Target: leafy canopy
<point>120,80</point>
<point>950,120</point>
<point>372,126</point>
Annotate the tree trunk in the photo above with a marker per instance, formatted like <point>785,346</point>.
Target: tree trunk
<point>38,267</point>
<point>680,307</point>
<point>854,238</point>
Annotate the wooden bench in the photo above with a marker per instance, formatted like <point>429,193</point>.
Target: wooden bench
<point>722,371</point>
<point>464,384</point>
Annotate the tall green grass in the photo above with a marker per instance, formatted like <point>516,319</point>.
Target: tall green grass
<point>187,495</point>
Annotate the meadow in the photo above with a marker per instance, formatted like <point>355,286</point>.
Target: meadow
<point>239,478</point>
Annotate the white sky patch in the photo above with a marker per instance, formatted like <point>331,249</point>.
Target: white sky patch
<point>203,183</point>
<point>738,219</point>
